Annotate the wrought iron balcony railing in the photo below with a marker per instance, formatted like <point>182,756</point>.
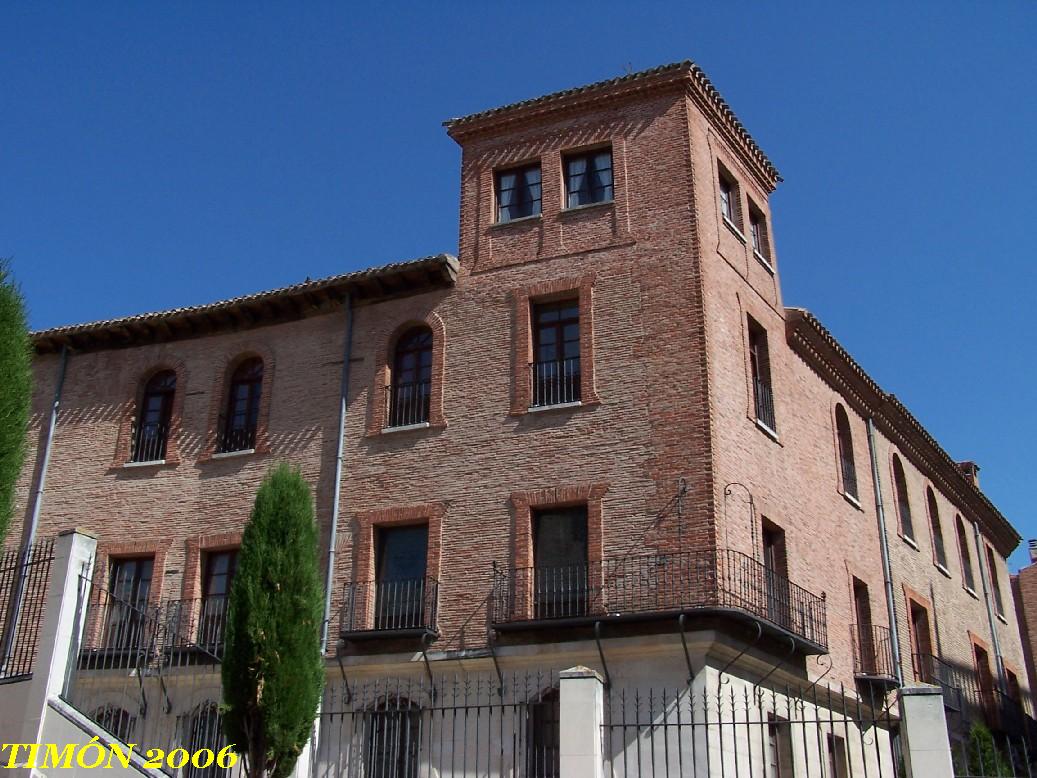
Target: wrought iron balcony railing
<point>872,651</point>
<point>970,697</point>
<point>407,404</point>
<point>658,583</point>
<point>149,442</point>
<point>390,606</point>
<point>230,438</point>
<point>764,400</point>
<point>555,382</point>
<point>199,623</point>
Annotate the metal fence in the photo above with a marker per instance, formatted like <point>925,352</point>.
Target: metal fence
<point>24,575</point>
<point>659,583</point>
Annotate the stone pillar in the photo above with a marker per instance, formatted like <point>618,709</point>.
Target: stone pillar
<point>924,739</point>
<point>62,620</point>
<point>581,714</point>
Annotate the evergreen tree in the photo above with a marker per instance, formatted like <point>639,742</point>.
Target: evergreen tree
<point>273,672</point>
<point>15,391</point>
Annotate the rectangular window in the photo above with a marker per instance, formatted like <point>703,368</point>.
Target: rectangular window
<point>865,653</point>
<point>759,365</point>
<point>965,554</point>
<point>400,570</point>
<point>995,582</point>
<point>588,178</point>
<point>837,764</point>
<point>129,588</point>
<point>1012,682</point>
<point>729,207</point>
<point>518,193</point>
<point>220,567</point>
<point>779,747</point>
<point>776,574</point>
<point>921,644</point>
<point>560,560</point>
<point>758,232</point>
<point>556,353</point>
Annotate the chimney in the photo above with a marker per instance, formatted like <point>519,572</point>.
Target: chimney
<point>970,471</point>
<point>1033,550</point>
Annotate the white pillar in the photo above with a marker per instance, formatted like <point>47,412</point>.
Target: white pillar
<point>581,713</point>
<point>924,739</point>
<point>73,558</point>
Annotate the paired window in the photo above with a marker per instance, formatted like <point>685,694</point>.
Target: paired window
<point>903,503</point>
<point>561,576</point>
<point>847,466</point>
<point>760,368</point>
<point>518,193</point>
<point>410,392</point>
<point>966,555</point>
<point>588,178</point>
<point>401,588</point>
<point>129,587</point>
<point>556,353</point>
<point>995,582</point>
<point>241,416</point>
<point>730,208</point>
<point>154,413</point>
<point>939,551</point>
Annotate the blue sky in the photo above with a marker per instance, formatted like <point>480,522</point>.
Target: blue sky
<point>157,156</point>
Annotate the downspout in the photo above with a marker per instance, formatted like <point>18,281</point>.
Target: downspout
<point>887,571</point>
<point>337,488</point>
<point>34,518</point>
<point>980,548</point>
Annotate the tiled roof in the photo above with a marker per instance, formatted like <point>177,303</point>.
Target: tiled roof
<point>686,67</point>
<point>393,278</point>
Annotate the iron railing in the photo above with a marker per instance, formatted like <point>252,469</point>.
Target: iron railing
<point>660,583</point>
<point>407,404</point>
<point>229,439</point>
<point>383,606</point>
<point>149,442</point>
<point>24,574</point>
<point>764,400</point>
<point>197,624</point>
<point>849,470</point>
<point>872,651</point>
<point>555,382</point>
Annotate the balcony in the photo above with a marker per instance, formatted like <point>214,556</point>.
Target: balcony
<point>384,610</point>
<point>970,698</point>
<point>556,382</point>
<point>230,439</point>
<point>408,404</point>
<point>763,399</point>
<point>643,587</point>
<point>198,626</point>
<point>149,442</point>
<point>873,654</point>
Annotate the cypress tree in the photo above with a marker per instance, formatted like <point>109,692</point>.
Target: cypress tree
<point>15,391</point>
<point>273,672</point>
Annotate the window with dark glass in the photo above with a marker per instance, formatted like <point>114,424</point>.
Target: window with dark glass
<point>729,207</point>
<point>846,462</point>
<point>560,560</point>
<point>202,728</point>
<point>543,735</point>
<point>588,178</point>
<point>995,582</point>
<point>985,679</point>
<point>776,574</point>
<point>837,763</point>
<point>939,552</point>
<point>760,368</point>
<point>921,644</point>
<point>556,353</point>
<point>129,588</point>
<point>410,392</point>
<point>241,418</point>
<point>865,648</point>
<point>758,231</point>
<point>220,567</point>
<point>903,503</point>
<point>518,193</point>
<point>116,720</point>
<point>966,555</point>
<point>393,739</point>
<point>779,747</point>
<point>401,589</point>
<point>1012,684</point>
<point>153,417</point>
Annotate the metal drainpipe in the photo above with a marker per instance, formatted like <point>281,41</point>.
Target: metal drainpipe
<point>34,519</point>
<point>337,489</point>
<point>887,571</point>
<point>998,659</point>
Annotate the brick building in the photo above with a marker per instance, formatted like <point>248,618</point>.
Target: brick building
<point>596,436</point>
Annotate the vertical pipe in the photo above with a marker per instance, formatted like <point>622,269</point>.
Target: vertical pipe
<point>887,572</point>
<point>34,520</point>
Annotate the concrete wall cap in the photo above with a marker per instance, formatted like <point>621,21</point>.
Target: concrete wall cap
<point>581,672</point>
<point>920,690</point>
<point>78,531</point>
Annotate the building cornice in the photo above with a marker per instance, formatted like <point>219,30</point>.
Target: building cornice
<point>819,348</point>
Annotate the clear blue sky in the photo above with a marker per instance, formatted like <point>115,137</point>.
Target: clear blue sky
<point>157,156</point>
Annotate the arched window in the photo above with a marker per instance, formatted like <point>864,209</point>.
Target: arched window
<point>542,736</point>
<point>241,417</point>
<point>202,728</point>
<point>116,720</point>
<point>849,469</point>
<point>153,417</point>
<point>939,552</point>
<point>966,555</point>
<point>410,392</point>
<point>903,503</point>
<point>393,739</point>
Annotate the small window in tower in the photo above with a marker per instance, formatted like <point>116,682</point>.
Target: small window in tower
<point>758,233</point>
<point>518,193</point>
<point>588,178</point>
<point>730,207</point>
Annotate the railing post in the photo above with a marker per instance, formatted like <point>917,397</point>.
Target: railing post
<point>581,715</point>
<point>923,730</point>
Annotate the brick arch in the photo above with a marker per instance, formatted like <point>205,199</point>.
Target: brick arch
<point>132,402</point>
<point>383,372</point>
<point>221,384</point>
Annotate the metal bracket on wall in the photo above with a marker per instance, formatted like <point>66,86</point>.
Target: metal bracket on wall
<point>342,671</point>
<point>601,654</point>
<point>426,640</point>
<point>681,621</point>
<point>740,654</point>
<point>775,666</point>
<point>492,643</point>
